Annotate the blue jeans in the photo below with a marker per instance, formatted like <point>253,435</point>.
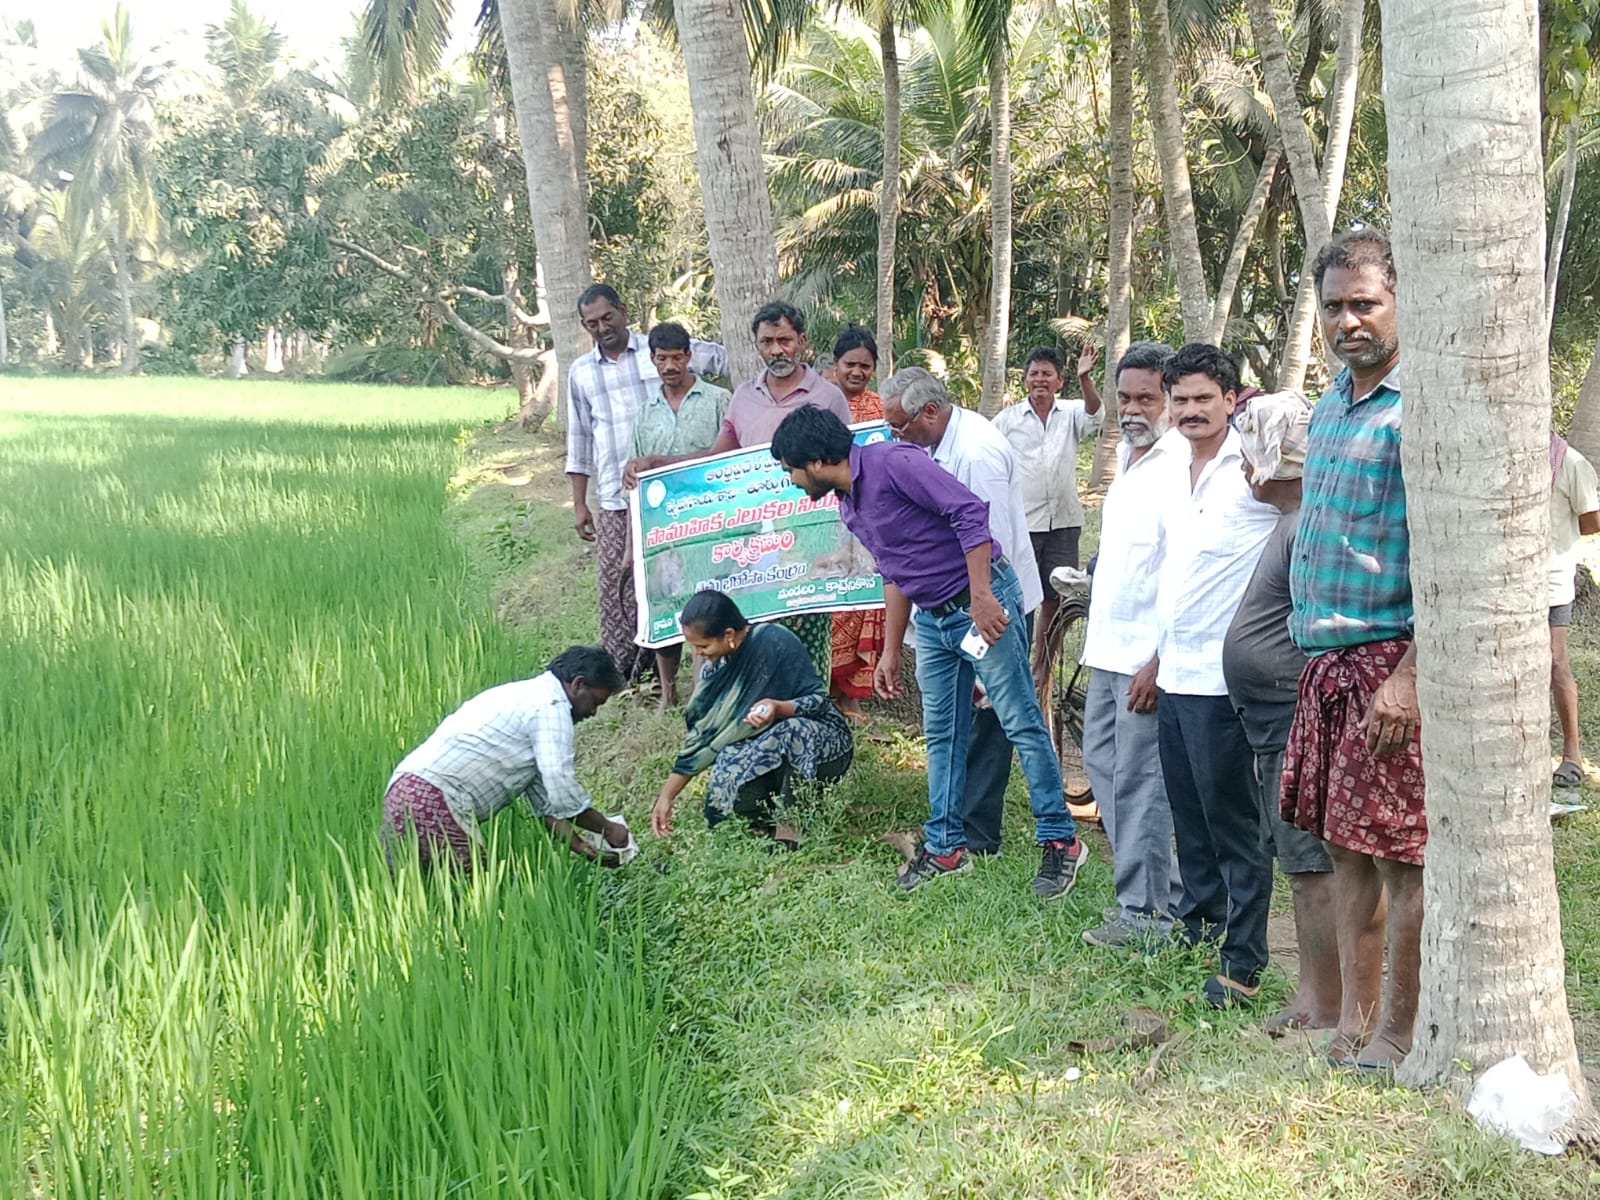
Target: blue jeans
<point>983,804</point>
<point>945,676</point>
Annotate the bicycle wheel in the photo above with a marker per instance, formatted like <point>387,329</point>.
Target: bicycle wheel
<point>1069,680</point>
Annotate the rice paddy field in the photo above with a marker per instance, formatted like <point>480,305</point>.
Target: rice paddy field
<point>227,609</point>
<point>224,614</point>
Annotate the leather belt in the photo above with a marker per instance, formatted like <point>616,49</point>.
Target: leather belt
<point>963,598</point>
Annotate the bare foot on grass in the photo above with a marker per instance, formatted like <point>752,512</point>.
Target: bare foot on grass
<point>1382,1052</point>
<point>850,708</point>
<point>1298,1015</point>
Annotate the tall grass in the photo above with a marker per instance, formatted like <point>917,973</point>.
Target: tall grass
<point>224,614</point>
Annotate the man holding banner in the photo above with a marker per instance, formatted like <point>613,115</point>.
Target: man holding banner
<point>931,539</point>
<point>759,404</point>
<point>605,390</point>
<point>679,423</point>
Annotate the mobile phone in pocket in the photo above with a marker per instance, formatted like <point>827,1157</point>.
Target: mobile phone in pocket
<point>973,645</point>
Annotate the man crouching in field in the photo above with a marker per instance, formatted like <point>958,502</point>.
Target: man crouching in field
<point>515,739</point>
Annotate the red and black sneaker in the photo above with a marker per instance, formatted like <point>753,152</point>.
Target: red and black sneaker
<point>927,866</point>
<point>1058,869</point>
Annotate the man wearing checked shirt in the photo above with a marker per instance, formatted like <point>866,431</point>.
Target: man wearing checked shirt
<point>1352,770</point>
<point>605,390</point>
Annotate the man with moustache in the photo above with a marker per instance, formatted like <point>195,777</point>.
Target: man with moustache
<point>931,539</point>
<point>1120,745</point>
<point>679,422</point>
<point>787,382</point>
<point>1212,531</point>
<point>1353,767</point>
<point>757,408</point>
<point>919,410</point>
<point>605,390</point>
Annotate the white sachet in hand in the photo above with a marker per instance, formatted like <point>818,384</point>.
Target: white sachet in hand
<point>625,854</point>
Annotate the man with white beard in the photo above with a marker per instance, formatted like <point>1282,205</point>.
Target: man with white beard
<point>1120,750</point>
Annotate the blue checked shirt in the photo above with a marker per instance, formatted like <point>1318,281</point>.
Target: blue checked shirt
<point>1350,577</point>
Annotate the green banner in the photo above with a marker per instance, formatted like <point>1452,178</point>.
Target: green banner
<point>736,523</point>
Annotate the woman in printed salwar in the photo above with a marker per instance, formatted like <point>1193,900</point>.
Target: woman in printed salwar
<point>761,722</point>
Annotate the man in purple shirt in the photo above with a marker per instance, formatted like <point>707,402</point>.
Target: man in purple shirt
<point>930,537</point>
<point>759,404</point>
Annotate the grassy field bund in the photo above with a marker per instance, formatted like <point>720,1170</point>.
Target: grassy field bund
<point>226,609</point>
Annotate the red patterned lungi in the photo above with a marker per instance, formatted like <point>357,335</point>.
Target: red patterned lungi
<point>414,807</point>
<point>619,614</point>
<point>1332,786</point>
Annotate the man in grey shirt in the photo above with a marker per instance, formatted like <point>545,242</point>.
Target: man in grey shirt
<point>1262,666</point>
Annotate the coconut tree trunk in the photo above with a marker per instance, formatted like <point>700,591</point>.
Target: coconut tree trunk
<point>998,333</point>
<point>1315,219</point>
<point>1177,193</point>
<point>1558,235</point>
<point>551,142</point>
<point>888,189</point>
<point>238,367</point>
<point>1342,110</point>
<point>1466,179</point>
<point>733,181</point>
<point>575,66</point>
<point>1295,361</point>
<point>130,329</point>
<point>1119,253</point>
<point>1292,131</point>
<point>1241,245</point>
<point>531,413</point>
<point>5,336</point>
<point>1317,190</point>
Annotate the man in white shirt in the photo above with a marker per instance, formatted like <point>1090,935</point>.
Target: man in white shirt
<point>512,740</point>
<point>1120,746</point>
<point>1213,532</point>
<point>918,410</point>
<point>605,390</point>
<point>1574,501</point>
<point>1044,433</point>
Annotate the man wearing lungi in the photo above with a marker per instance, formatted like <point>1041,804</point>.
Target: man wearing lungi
<point>1353,765</point>
<point>606,388</point>
<point>510,741</point>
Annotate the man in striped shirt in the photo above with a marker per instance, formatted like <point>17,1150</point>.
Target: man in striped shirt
<point>605,390</point>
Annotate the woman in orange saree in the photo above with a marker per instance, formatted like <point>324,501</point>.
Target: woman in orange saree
<point>857,636</point>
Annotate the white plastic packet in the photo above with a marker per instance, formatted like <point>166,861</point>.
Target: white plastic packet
<point>1511,1098</point>
<point>1069,581</point>
<point>626,853</point>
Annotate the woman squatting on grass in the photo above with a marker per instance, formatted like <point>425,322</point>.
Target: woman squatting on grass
<point>515,739</point>
<point>760,717</point>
